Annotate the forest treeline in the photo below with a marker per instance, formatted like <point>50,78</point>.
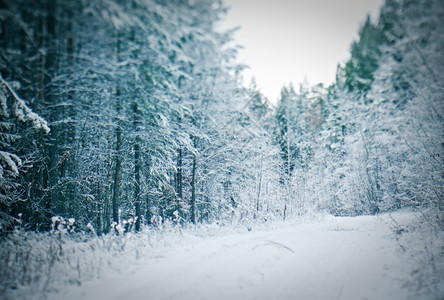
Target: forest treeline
<point>120,114</point>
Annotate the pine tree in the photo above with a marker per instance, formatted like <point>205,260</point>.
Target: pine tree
<point>16,120</point>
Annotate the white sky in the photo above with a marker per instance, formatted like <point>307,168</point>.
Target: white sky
<point>289,40</point>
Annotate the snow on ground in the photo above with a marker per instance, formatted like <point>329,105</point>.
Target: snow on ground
<point>332,258</point>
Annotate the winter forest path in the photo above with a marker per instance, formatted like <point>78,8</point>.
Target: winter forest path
<point>336,258</point>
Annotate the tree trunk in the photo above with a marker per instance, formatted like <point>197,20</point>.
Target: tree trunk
<point>107,208</point>
<point>148,215</point>
<point>259,187</point>
<point>193,190</point>
<point>118,161</point>
<point>48,69</point>
<point>179,186</point>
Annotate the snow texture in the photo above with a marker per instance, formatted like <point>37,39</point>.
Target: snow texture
<point>366,257</point>
<point>21,110</point>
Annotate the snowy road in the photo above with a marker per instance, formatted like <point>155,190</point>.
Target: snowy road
<point>338,258</point>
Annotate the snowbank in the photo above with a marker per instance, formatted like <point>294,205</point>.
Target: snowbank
<point>391,256</point>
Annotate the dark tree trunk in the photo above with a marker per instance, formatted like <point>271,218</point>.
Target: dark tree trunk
<point>118,161</point>
<point>107,205</point>
<point>193,190</point>
<point>179,185</point>
<point>148,214</point>
<point>48,90</point>
<point>118,152</point>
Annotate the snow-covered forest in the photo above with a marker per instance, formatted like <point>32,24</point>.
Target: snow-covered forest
<point>125,126</point>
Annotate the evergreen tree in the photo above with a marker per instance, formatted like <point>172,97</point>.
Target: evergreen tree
<point>17,120</point>
<point>364,57</point>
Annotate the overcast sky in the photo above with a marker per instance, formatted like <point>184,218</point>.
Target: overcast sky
<point>289,40</point>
